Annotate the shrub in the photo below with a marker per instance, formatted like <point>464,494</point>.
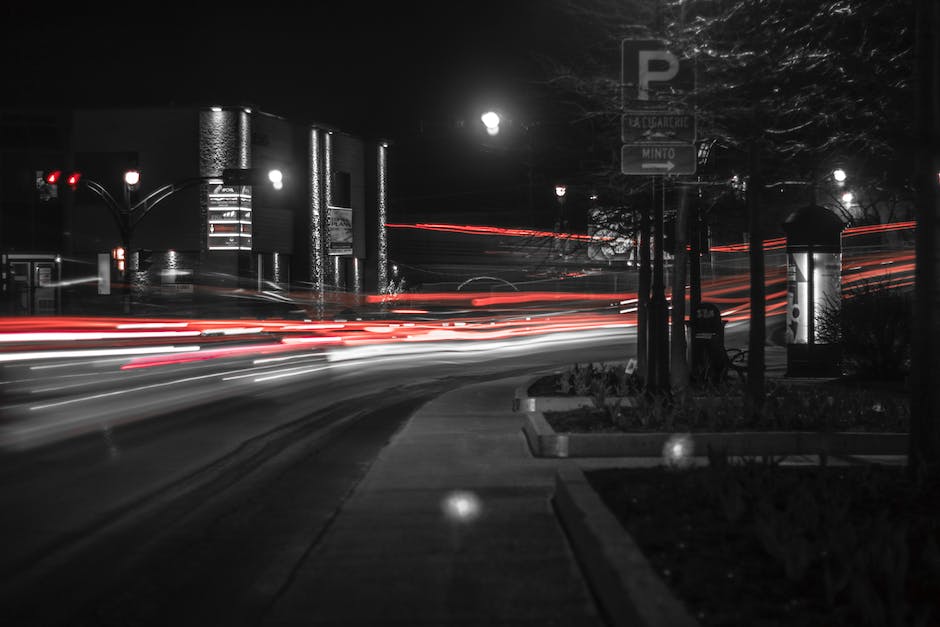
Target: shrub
<point>873,326</point>
<point>874,564</point>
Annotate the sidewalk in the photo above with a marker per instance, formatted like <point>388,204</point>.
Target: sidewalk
<point>397,555</point>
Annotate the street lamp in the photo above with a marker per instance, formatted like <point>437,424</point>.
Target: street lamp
<point>132,179</point>
<point>277,178</point>
<point>129,215</point>
<point>839,175</point>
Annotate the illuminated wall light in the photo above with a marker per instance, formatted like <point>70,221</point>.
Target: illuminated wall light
<point>217,109</point>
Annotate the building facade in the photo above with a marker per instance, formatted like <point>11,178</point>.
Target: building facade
<point>184,241</point>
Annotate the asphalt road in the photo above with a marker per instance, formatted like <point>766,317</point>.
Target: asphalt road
<point>182,495</point>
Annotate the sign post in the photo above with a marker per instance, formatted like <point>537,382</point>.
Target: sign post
<point>658,139</point>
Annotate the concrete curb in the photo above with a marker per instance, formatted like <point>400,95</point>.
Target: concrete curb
<point>545,442</point>
<point>626,586</point>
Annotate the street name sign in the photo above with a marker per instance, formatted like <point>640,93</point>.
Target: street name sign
<point>657,126</point>
<point>659,158</point>
<point>658,136</point>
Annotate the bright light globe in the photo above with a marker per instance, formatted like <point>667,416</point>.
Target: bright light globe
<point>678,450</point>
<point>461,506</point>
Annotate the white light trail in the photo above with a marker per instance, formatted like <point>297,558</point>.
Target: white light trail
<point>102,352</point>
<point>93,397</point>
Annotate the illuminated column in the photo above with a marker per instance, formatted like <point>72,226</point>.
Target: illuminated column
<point>225,211</point>
<point>357,277</point>
<point>382,253</point>
<point>335,265</point>
<point>277,270</point>
<point>814,290</point>
<point>316,214</point>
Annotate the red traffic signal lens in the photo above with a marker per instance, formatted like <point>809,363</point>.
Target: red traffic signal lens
<point>53,177</point>
<point>73,179</point>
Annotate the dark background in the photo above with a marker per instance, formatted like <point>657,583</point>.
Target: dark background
<point>373,69</point>
<point>419,74</point>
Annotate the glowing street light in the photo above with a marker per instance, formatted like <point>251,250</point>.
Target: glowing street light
<point>839,175</point>
<point>560,191</point>
<point>848,197</point>
<point>132,179</point>
<point>277,178</point>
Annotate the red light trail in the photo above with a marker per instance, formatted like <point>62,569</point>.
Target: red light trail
<point>774,243</point>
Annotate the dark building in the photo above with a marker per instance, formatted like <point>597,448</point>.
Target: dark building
<point>184,240</point>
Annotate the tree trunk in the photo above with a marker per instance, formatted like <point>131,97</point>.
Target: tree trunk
<point>757,329</point>
<point>659,320</point>
<point>643,298</point>
<point>679,366</point>
<point>925,346</point>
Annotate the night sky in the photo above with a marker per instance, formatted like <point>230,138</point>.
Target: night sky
<point>366,67</point>
<point>375,69</point>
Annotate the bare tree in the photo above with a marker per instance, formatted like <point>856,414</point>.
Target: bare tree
<point>831,79</point>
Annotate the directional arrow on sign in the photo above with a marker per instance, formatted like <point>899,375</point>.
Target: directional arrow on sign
<point>669,166</point>
<point>658,158</point>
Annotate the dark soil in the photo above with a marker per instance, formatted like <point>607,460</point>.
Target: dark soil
<point>591,420</point>
<point>704,531</point>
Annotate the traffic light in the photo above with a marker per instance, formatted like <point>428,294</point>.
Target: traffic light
<point>118,255</point>
<point>47,184</point>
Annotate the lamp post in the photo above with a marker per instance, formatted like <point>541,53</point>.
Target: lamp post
<point>129,214</point>
<point>560,222</point>
<point>491,121</point>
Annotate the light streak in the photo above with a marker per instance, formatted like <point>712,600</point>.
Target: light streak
<point>103,352</point>
<point>67,336</point>
<point>774,243</point>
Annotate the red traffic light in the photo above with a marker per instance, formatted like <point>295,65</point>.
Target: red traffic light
<point>73,179</point>
<point>53,177</point>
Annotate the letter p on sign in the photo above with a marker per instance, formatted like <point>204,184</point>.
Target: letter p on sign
<point>647,74</point>
<point>647,67</point>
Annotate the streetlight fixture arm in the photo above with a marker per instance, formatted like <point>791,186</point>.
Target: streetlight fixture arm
<point>143,206</point>
<point>120,215</point>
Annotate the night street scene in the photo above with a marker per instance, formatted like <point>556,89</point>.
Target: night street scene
<point>580,313</point>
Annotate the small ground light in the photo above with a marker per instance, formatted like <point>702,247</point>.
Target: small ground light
<point>848,197</point>
<point>677,451</point>
<point>462,506</point>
